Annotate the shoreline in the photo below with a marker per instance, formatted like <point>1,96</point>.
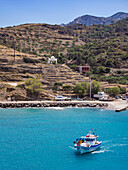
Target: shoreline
<point>118,105</point>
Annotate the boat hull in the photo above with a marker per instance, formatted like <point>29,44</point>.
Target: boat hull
<point>82,149</point>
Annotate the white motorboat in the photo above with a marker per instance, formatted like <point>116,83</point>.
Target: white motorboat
<point>101,96</point>
<point>62,98</point>
<point>87,143</point>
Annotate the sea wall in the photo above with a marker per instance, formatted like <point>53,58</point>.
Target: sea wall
<point>51,104</point>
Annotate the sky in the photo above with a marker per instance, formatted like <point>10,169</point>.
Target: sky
<point>16,12</point>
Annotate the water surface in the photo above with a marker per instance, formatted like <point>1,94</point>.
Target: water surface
<point>43,138</point>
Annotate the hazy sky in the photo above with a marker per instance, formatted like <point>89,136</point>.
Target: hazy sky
<point>15,12</point>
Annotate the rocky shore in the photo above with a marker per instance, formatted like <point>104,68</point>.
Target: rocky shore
<point>27,104</point>
<point>118,105</point>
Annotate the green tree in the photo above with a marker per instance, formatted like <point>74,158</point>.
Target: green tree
<point>33,87</point>
<point>85,85</point>
<point>122,90</point>
<point>115,91</point>
<point>79,89</point>
<point>95,87</point>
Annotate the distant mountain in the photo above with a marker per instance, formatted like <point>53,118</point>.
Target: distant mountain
<point>90,20</point>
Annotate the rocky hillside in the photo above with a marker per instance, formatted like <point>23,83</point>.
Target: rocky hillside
<point>93,20</point>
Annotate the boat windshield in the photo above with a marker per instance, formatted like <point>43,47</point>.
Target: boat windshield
<point>90,140</point>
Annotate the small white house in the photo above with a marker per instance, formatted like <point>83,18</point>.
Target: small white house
<point>52,60</point>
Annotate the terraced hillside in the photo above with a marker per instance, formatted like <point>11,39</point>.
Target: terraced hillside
<point>30,66</point>
<point>38,39</point>
<point>25,49</point>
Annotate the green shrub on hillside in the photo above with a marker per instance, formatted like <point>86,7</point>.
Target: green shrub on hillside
<point>57,85</point>
<point>67,88</point>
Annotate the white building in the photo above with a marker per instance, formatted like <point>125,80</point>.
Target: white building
<point>52,60</point>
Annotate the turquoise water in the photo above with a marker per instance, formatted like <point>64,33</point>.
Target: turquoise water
<point>43,139</point>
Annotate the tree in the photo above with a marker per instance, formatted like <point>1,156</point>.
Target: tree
<point>122,90</point>
<point>85,85</point>
<point>33,87</point>
<point>84,88</point>
<point>95,87</point>
<point>115,91</point>
<point>79,89</point>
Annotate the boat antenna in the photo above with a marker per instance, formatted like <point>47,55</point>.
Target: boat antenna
<point>95,131</point>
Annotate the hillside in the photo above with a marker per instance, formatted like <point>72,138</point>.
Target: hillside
<point>37,39</point>
<point>30,66</point>
<point>93,20</point>
<point>104,45</point>
<point>43,40</point>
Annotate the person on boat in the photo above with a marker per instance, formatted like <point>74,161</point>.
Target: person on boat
<point>80,141</point>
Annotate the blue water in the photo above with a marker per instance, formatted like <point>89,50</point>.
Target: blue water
<point>42,139</point>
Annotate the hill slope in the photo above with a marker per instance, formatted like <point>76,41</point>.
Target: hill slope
<point>73,44</point>
<point>37,39</point>
<point>104,45</point>
<point>30,66</point>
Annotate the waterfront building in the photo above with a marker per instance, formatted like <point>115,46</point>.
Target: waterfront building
<point>83,69</point>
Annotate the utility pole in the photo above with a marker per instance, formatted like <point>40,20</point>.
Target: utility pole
<point>14,53</point>
<point>90,87</point>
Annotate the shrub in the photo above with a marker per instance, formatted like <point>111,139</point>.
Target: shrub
<point>67,88</point>
<point>58,84</point>
<point>30,60</point>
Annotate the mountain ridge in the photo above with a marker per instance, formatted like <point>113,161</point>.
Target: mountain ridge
<point>90,19</point>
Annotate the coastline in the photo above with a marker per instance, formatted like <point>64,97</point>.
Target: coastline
<point>118,105</point>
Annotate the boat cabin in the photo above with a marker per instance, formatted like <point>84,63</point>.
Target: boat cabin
<point>88,139</point>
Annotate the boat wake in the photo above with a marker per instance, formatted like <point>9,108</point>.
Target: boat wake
<point>111,145</point>
<point>72,148</point>
<point>116,145</point>
<point>100,151</point>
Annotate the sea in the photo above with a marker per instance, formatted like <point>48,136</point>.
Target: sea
<point>42,138</point>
